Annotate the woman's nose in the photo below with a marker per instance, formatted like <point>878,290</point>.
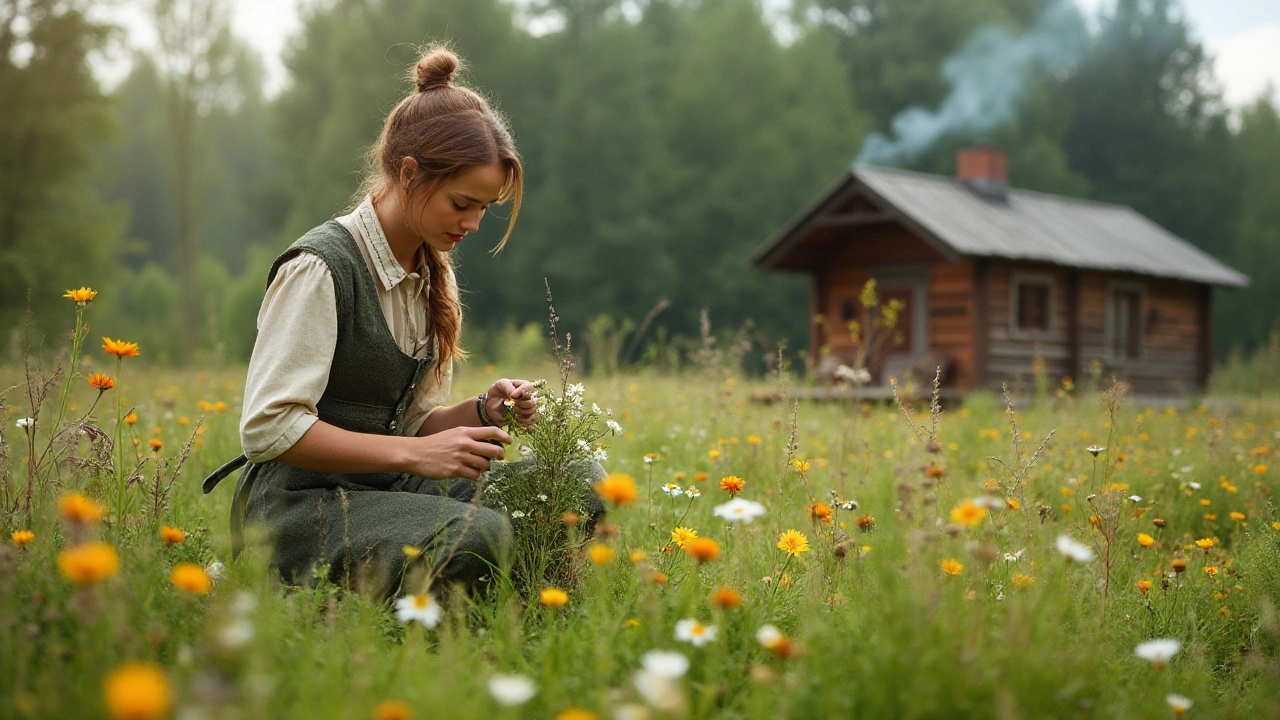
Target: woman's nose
<point>471,222</point>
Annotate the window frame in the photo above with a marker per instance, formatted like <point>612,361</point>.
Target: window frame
<point>1050,283</point>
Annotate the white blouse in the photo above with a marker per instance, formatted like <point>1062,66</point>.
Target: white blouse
<point>298,332</point>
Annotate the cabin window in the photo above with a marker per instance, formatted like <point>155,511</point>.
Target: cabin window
<point>1032,305</point>
<point>1124,316</point>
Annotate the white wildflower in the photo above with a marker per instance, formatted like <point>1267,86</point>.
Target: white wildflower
<point>1074,550</point>
<point>1135,498</point>
<point>1095,449</point>
<point>1193,485</point>
<point>1178,703</point>
<point>516,514</point>
<point>237,634</point>
<point>692,492</point>
<point>739,510</point>
<point>599,454</point>
<point>665,663</point>
<point>243,603</point>
<point>661,692</point>
<point>526,451</point>
<point>991,502</point>
<point>511,689</point>
<point>1159,651</point>
<point>672,489</point>
<point>595,408</point>
<point>24,423</point>
<point>629,711</point>
<point>1013,557</point>
<point>691,631</point>
<point>769,636</point>
<point>419,608</point>
<point>215,570</point>
<point>614,426</point>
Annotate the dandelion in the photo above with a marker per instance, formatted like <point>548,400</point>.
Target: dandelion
<point>22,537</point>
<point>968,513</point>
<point>682,535</point>
<point>89,564</point>
<point>951,567</point>
<point>732,484</point>
<point>393,710</point>
<point>618,488</point>
<point>553,597</point>
<point>1158,652</point>
<point>1074,550</point>
<point>1177,703</point>
<point>172,535</point>
<point>190,578</point>
<point>739,510</point>
<point>820,512</point>
<point>691,631</point>
<point>793,542</point>
<point>512,689</point>
<point>1022,581</point>
<point>102,382</point>
<point>801,466</point>
<point>1206,543</point>
<point>120,348</point>
<point>1146,540</point>
<point>702,549</point>
<point>80,509</point>
<point>726,598</point>
<point>82,296</point>
<point>419,608</point>
<point>136,691</point>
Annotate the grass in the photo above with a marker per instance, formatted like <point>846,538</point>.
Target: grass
<point>877,627</point>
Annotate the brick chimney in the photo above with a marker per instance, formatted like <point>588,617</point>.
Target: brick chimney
<point>985,170</point>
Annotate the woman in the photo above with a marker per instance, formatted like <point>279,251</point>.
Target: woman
<point>356,463</point>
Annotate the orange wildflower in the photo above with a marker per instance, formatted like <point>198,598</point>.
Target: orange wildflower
<point>702,549</point>
<point>951,567</point>
<point>820,512</point>
<point>726,599</point>
<point>600,553</point>
<point>190,577</point>
<point>102,382</point>
<point>1144,586</point>
<point>120,348</point>
<point>172,535</point>
<point>393,710</point>
<point>137,691</point>
<point>89,564</point>
<point>1146,540</point>
<point>22,537</point>
<point>553,597</point>
<point>732,484</point>
<point>80,509</point>
<point>155,444</point>
<point>618,488</point>
<point>81,296</point>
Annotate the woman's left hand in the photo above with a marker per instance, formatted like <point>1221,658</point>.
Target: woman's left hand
<point>520,393</point>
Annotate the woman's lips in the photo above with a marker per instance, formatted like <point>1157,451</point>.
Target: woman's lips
<point>453,237</point>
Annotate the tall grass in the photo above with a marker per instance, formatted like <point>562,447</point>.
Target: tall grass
<point>876,627</point>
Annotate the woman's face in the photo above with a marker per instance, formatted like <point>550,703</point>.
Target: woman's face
<point>442,219</point>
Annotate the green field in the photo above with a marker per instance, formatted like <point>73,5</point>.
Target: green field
<point>943,594</point>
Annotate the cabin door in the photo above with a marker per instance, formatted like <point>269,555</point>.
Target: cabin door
<point>907,343</point>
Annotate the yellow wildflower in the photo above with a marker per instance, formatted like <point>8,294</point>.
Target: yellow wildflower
<point>81,296</point>
<point>553,597</point>
<point>136,691</point>
<point>793,542</point>
<point>951,567</point>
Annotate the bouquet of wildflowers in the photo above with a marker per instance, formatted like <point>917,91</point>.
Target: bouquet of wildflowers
<point>548,493</point>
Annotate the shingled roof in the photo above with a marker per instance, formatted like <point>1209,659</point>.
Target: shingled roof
<point>1025,225</point>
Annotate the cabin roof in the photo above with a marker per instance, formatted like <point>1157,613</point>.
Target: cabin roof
<point>1026,225</point>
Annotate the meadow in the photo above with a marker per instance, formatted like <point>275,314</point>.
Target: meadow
<point>963,561</point>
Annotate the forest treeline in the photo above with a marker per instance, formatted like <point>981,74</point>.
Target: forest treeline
<point>663,140</point>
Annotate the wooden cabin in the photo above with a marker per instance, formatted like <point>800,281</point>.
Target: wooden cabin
<point>994,279</point>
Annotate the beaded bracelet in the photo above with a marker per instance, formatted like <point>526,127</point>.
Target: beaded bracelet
<point>484,412</point>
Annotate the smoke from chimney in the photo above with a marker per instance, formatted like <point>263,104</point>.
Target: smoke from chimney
<point>988,79</point>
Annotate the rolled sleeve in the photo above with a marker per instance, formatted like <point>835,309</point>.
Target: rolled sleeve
<point>289,369</point>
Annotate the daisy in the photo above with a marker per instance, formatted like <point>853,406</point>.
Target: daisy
<point>672,489</point>
<point>1159,651</point>
<point>1074,550</point>
<point>740,510</point>
<point>1095,449</point>
<point>422,608</point>
<point>691,631</point>
<point>511,689</point>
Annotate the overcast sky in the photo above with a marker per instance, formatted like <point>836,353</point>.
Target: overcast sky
<point>1243,36</point>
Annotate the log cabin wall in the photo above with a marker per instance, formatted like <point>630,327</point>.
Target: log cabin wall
<point>1011,351</point>
<point>953,315</point>
<point>838,281</point>
<point>1172,323</point>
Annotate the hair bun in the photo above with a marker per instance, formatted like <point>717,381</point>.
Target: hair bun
<point>435,68</point>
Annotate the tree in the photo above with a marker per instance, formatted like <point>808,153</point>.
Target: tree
<point>195,57</point>
<point>55,230</point>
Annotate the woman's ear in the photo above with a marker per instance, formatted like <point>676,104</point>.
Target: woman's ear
<point>408,171</point>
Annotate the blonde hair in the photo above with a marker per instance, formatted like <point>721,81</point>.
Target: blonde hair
<point>447,129</point>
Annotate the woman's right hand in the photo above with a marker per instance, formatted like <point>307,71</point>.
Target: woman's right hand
<point>463,452</point>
